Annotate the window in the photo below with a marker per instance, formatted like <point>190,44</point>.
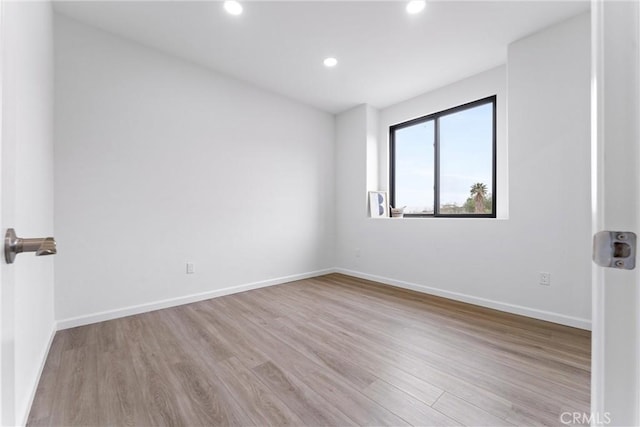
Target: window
<point>444,164</point>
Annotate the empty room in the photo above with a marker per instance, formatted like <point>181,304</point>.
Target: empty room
<point>320,213</point>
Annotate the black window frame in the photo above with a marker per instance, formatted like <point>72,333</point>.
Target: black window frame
<point>436,147</point>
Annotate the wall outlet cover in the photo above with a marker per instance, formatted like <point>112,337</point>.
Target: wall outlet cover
<point>545,279</point>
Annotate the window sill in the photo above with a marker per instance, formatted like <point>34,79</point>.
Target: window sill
<point>456,218</point>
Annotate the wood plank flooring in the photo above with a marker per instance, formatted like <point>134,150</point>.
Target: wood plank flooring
<point>332,350</point>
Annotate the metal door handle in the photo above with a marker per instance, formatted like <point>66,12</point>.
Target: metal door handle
<point>13,245</point>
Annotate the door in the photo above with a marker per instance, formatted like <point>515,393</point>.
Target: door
<point>616,197</point>
<point>26,199</point>
<point>6,297</point>
<point>7,329</point>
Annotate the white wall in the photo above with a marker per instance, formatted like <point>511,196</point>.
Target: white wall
<point>160,162</point>
<point>544,227</point>
<point>27,199</point>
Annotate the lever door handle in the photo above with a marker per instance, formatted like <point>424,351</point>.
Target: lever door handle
<point>13,245</point>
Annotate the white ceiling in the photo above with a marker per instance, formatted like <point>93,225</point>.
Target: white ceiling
<point>385,55</point>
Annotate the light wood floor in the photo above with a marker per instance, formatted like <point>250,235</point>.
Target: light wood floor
<point>333,350</point>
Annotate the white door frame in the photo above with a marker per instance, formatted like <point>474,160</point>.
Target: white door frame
<point>615,186</point>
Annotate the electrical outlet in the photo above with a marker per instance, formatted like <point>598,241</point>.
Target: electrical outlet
<point>191,268</point>
<point>545,279</point>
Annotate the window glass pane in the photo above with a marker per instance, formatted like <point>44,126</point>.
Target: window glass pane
<point>414,164</point>
<point>466,161</point>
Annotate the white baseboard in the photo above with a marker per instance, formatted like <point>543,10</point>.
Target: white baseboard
<point>172,302</point>
<point>562,319</point>
<point>23,418</point>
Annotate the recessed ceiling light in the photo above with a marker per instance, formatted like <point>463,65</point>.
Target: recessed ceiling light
<point>330,62</point>
<point>233,7</point>
<point>416,6</point>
